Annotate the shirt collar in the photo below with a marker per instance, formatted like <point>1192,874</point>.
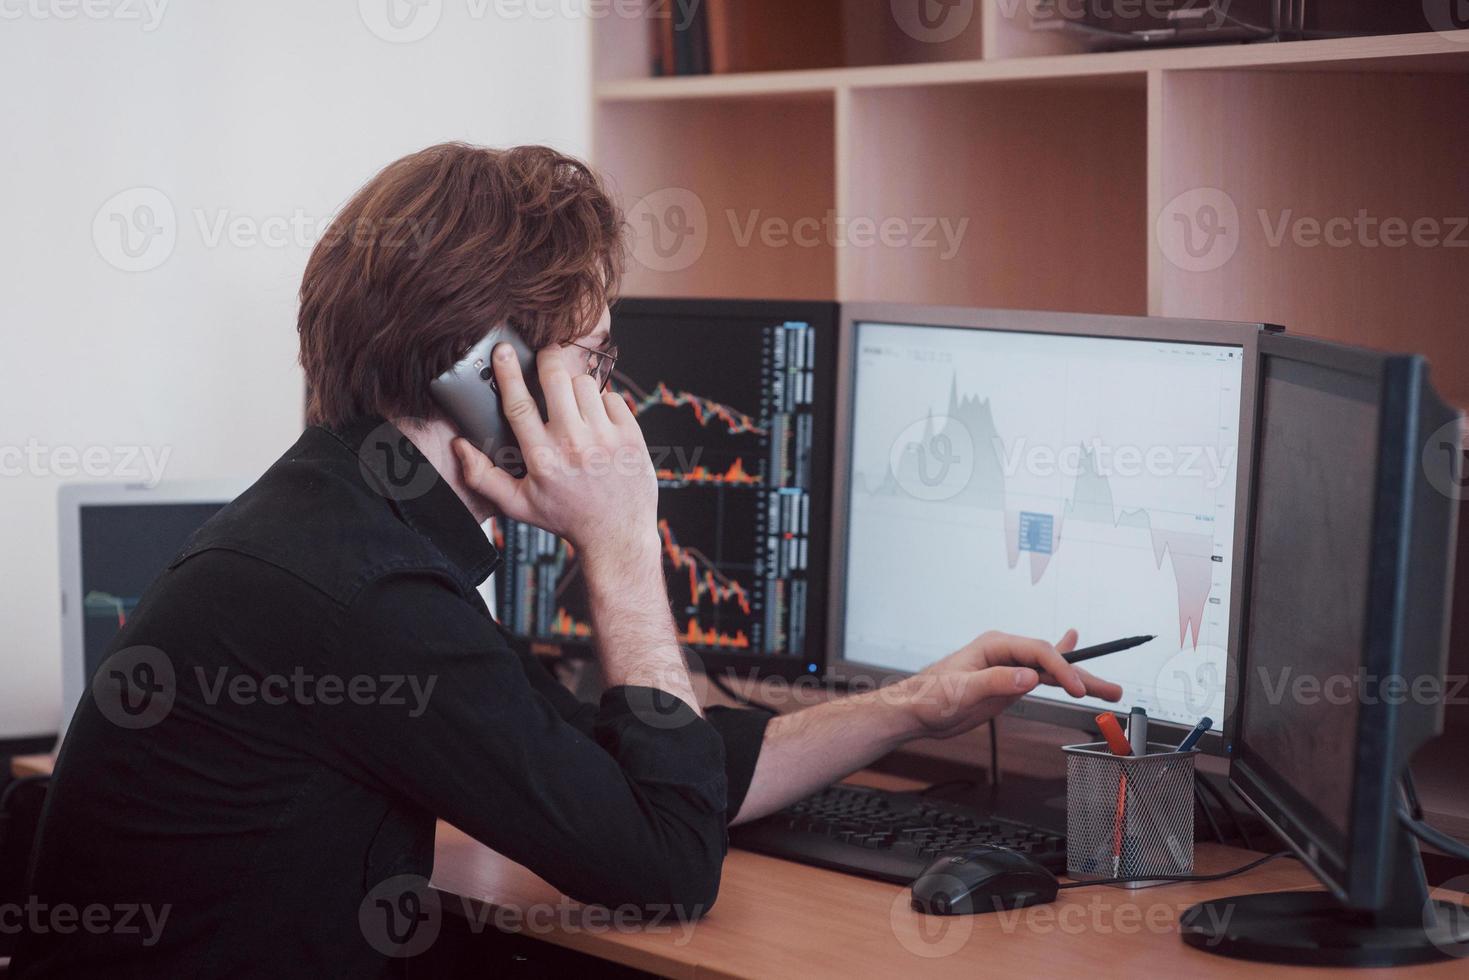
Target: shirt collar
<point>392,466</point>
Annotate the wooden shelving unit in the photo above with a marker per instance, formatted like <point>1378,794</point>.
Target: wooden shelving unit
<point>1076,175</point>
<point>1066,180</point>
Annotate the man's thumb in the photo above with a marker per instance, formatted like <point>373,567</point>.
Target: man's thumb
<point>1003,682</point>
<point>1024,679</point>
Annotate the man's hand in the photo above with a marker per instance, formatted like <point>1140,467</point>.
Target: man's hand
<point>992,672</point>
<point>808,749</point>
<point>589,478</point>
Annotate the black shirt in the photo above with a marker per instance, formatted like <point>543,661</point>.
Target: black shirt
<point>257,770</point>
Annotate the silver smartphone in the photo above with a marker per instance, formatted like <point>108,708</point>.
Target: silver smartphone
<point>470,396</point>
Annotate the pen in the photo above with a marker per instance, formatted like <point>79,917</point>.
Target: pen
<point>1117,742</point>
<point>1102,649</point>
<point>1112,732</point>
<point>1192,738</point>
<point>1119,819</point>
<point>1137,731</point>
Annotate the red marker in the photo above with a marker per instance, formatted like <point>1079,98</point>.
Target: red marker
<point>1112,732</point>
<point>1118,743</point>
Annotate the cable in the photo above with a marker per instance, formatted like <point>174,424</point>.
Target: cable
<point>1167,878</point>
<point>1247,811</point>
<point>1410,790</point>
<point>1433,836</point>
<point>8,792</point>
<point>16,784</point>
<point>1218,797</point>
<point>1411,814</point>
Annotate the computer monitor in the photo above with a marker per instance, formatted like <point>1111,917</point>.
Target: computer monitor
<point>1031,472</point>
<point>735,400</point>
<point>115,539</point>
<point>1358,474</point>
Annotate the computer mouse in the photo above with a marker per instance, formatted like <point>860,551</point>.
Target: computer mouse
<point>981,879</point>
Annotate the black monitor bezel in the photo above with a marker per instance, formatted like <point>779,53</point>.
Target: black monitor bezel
<point>1357,877</point>
<point>1217,332</point>
<point>822,316</point>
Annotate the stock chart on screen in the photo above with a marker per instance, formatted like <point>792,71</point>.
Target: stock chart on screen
<point>734,403</point>
<point>1034,482</point>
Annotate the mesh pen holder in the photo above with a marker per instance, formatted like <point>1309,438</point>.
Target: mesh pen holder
<point>1129,816</point>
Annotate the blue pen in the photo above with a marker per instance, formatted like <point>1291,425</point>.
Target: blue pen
<point>1192,738</point>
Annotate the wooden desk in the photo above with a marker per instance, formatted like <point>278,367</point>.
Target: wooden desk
<point>778,919</point>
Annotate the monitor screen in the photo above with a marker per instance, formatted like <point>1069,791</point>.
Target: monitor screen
<point>734,400</point>
<point>1315,476</point>
<point>124,547</point>
<point>1031,482</point>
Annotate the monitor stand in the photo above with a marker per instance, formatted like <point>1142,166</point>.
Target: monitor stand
<point>1316,928</point>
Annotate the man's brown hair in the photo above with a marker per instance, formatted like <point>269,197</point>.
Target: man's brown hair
<point>435,250</point>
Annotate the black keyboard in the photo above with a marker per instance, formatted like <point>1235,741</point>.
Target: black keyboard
<point>889,836</point>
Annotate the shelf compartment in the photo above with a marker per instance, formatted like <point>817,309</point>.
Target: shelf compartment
<point>625,78</point>
<point>1333,203</point>
<point>1010,31</point>
<point>725,197</point>
<point>751,36</point>
<point>1047,181</point>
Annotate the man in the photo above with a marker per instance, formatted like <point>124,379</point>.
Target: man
<point>322,679</point>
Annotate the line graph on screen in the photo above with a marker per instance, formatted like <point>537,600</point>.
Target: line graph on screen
<point>1031,483</point>
<point>1035,532</point>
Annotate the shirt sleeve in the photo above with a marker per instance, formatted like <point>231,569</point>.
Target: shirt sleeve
<point>581,715</point>
<point>741,730</point>
<point>632,812</point>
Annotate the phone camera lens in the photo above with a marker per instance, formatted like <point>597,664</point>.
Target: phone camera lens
<point>485,374</point>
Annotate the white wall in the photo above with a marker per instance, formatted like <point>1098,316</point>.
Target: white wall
<point>270,111</point>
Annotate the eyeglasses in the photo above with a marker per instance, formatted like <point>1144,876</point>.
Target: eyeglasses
<point>599,363</point>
